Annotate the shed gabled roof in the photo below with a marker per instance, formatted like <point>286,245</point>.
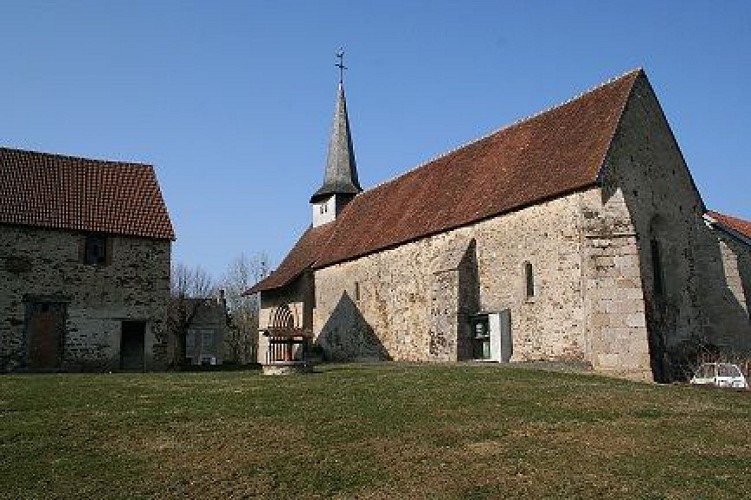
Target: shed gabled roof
<point>66,192</point>
<point>551,154</point>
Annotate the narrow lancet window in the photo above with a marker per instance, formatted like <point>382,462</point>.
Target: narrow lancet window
<point>529,280</point>
<point>658,278</point>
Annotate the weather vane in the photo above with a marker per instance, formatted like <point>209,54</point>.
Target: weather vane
<point>340,64</point>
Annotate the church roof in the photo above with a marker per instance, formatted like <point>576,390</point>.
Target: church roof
<point>549,155</point>
<point>66,192</point>
<point>341,170</point>
<point>546,156</point>
<point>734,224</point>
<point>302,256</point>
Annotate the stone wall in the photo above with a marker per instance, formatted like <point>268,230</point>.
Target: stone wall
<point>640,311</point>
<point>411,305</point>
<point>47,264</point>
<point>725,291</point>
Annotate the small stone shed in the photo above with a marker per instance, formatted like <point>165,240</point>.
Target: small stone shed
<point>84,264</point>
<point>206,329</point>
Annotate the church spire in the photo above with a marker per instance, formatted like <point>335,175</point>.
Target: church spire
<point>341,171</point>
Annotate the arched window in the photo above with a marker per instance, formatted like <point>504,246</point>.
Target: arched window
<point>529,280</point>
<point>283,318</point>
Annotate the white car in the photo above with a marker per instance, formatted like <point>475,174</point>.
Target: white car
<point>720,375</point>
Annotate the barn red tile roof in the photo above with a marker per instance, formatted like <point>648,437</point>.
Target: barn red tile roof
<point>305,252</point>
<point>65,192</point>
<point>548,155</point>
<point>740,226</point>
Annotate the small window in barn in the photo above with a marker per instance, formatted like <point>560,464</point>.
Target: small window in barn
<point>357,291</point>
<point>95,250</point>
<point>657,274</point>
<point>529,280</point>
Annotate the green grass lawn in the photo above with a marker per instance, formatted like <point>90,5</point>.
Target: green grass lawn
<point>376,431</point>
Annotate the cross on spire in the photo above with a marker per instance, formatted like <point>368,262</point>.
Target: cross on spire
<point>340,64</point>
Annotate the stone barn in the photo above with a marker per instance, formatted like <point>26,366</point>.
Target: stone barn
<point>84,264</point>
<point>576,234</point>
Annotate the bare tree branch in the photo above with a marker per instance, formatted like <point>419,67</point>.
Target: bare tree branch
<point>185,283</point>
<point>243,273</point>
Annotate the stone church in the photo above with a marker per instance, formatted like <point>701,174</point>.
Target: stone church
<point>577,234</point>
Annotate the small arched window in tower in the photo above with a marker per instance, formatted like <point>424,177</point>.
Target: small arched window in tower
<point>529,280</point>
<point>357,291</point>
<point>657,275</point>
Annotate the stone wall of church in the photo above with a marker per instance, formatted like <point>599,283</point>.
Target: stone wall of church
<point>392,299</point>
<point>725,291</point>
<point>41,266</point>
<point>643,236</point>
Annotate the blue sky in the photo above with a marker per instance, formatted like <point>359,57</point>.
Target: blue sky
<point>232,101</point>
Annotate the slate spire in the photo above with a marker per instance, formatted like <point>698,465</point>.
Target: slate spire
<point>341,170</point>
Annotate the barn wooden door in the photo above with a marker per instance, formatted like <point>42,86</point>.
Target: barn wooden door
<point>45,334</point>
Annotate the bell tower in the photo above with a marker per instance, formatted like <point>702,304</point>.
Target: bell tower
<point>340,182</point>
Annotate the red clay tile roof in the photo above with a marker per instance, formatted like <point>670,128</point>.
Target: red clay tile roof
<point>305,252</point>
<point>65,192</point>
<point>551,154</point>
<point>740,226</point>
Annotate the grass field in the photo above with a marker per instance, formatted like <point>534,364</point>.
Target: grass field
<point>376,431</point>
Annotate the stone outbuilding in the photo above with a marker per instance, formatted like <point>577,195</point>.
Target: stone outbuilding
<point>577,234</point>
<point>205,330</point>
<point>84,264</point>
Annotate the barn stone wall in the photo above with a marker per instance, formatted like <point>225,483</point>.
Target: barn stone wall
<point>47,264</point>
